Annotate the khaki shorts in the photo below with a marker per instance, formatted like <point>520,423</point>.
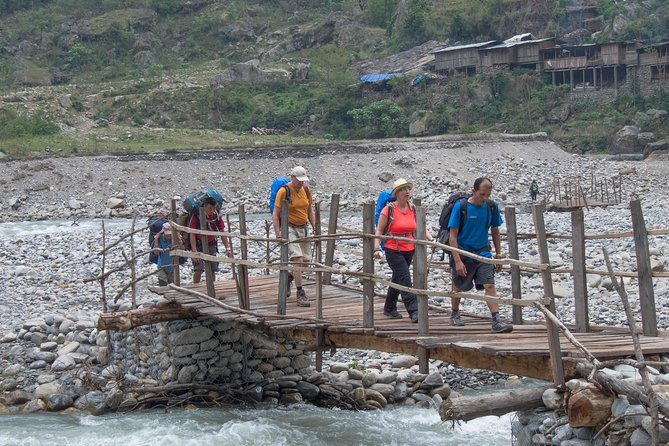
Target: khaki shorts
<point>301,249</point>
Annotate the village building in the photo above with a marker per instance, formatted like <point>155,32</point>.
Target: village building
<point>630,67</point>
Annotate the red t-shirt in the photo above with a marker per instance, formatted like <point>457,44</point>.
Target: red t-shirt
<point>214,223</point>
<point>403,224</point>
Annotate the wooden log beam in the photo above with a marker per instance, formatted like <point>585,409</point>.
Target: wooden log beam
<point>126,320</point>
<point>471,407</point>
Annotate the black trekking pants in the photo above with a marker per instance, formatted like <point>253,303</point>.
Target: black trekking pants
<point>399,262</point>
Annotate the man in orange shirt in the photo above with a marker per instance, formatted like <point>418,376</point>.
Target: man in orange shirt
<point>300,213</point>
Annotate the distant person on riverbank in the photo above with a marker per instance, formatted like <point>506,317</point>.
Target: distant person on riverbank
<point>534,190</point>
<point>214,223</point>
<point>162,244</point>
<point>470,233</point>
<point>398,218</point>
<point>300,214</point>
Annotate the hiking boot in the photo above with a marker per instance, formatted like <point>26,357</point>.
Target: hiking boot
<point>302,300</point>
<point>392,314</point>
<point>498,326</point>
<point>456,319</point>
<point>290,284</point>
<point>414,317</point>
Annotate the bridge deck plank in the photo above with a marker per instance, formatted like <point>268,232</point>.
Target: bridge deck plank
<point>524,350</point>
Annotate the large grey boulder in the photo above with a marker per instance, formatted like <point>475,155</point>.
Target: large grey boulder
<point>627,140</point>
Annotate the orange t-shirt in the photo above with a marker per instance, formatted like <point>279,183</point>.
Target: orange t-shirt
<point>403,224</point>
<point>297,207</point>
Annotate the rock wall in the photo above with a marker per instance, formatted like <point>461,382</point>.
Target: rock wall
<point>210,350</point>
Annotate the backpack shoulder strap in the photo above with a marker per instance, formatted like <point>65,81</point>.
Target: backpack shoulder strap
<point>492,207</point>
<point>287,189</point>
<point>391,207</point>
<point>463,211</point>
<point>308,191</point>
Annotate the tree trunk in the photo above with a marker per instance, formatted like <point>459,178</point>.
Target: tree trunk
<point>125,320</point>
<point>468,408</point>
<point>589,407</point>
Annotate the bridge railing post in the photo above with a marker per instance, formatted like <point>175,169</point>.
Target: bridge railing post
<point>368,265</point>
<point>644,272</point>
<point>553,331</point>
<point>243,270</point>
<point>332,229</point>
<point>208,272</point>
<point>512,241</point>
<point>176,241</point>
<point>580,283</point>
<point>283,275</point>
<point>420,282</point>
<point>318,248</point>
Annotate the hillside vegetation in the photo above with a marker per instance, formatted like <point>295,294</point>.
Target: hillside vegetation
<point>83,76</point>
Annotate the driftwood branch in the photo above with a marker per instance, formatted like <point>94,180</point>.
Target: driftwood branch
<point>126,320</point>
<point>471,407</point>
<point>638,353</point>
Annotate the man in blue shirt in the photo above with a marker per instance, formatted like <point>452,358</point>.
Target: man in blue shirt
<point>480,216</point>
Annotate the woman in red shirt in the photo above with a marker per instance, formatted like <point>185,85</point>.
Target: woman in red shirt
<point>399,253</point>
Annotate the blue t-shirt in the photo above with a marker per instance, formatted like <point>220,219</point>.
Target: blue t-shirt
<point>164,258</point>
<point>473,235</point>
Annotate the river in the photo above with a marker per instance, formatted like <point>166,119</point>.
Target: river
<point>295,425</point>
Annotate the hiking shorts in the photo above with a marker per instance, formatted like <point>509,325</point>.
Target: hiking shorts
<point>301,249</point>
<point>478,274</point>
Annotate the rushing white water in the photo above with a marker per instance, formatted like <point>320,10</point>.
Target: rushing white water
<point>295,425</point>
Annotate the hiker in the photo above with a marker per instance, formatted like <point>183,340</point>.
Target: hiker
<point>214,223</point>
<point>399,218</point>
<point>162,244</point>
<point>472,235</point>
<point>534,190</point>
<point>300,213</point>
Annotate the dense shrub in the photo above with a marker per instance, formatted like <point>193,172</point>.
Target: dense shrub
<point>15,125</point>
<point>379,119</point>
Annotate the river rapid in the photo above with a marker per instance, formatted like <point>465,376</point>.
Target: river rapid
<point>296,425</point>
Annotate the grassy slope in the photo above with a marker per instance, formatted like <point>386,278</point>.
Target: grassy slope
<point>119,106</point>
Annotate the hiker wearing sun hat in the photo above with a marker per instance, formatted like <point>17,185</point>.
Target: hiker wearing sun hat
<point>398,218</point>
<point>161,247</point>
<point>300,214</point>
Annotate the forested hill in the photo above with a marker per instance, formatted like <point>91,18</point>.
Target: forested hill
<point>287,65</point>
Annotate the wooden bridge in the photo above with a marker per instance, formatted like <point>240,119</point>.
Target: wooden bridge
<point>344,316</point>
<point>524,352</point>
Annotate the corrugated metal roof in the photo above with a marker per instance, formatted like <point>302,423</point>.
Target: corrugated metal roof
<point>378,77</point>
<point>508,44</point>
<point>471,45</point>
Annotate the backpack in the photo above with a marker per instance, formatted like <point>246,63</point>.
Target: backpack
<point>192,204</point>
<point>282,182</point>
<point>155,224</point>
<point>274,189</point>
<point>444,233</point>
<point>382,200</point>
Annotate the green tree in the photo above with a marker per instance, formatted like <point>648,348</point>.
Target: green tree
<point>380,119</point>
<point>78,55</point>
<point>380,12</point>
<point>414,27</point>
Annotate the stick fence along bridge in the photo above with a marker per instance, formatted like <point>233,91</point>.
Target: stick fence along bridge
<point>350,316</point>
